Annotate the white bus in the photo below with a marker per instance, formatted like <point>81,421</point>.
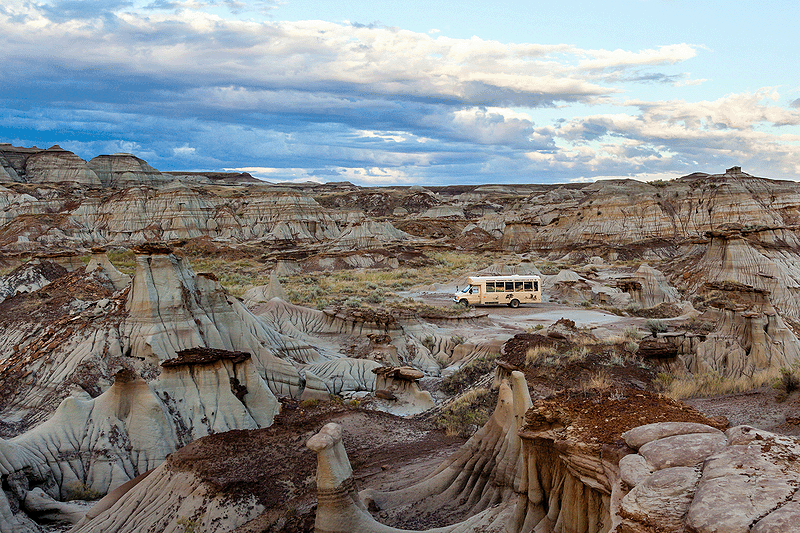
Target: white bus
<point>492,290</point>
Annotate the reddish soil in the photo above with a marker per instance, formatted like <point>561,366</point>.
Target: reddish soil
<point>602,416</point>
<point>571,368</point>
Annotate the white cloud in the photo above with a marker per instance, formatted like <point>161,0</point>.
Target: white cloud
<point>184,151</point>
<point>614,59</point>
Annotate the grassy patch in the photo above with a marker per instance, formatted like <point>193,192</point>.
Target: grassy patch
<point>713,384</point>
<point>80,491</point>
<point>124,260</point>
<point>541,356</point>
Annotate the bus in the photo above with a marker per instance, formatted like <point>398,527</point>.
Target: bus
<point>494,290</point>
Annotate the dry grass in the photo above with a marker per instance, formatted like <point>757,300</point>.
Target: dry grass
<point>713,384</point>
<point>600,380</point>
<point>577,354</point>
<point>541,356</point>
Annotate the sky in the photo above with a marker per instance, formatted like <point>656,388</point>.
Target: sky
<point>409,92</point>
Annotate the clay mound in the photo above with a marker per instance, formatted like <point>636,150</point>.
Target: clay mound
<point>368,234</point>
<point>264,293</point>
<point>649,287</point>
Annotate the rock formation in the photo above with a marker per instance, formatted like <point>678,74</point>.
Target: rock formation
<point>125,170</point>
<point>695,478</point>
<point>480,480</point>
<point>56,165</point>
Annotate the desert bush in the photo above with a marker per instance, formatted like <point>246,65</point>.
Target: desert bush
<point>310,403</point>
<point>460,380</point>
<point>81,491</point>
<point>656,326</point>
<point>429,342</point>
<point>457,339</point>
<point>375,297</point>
<point>352,302</point>
<point>466,414</point>
<point>632,333</point>
<point>616,360</point>
<point>190,525</point>
<point>787,383</point>
<point>631,347</point>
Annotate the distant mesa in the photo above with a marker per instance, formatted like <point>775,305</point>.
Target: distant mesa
<point>117,171</point>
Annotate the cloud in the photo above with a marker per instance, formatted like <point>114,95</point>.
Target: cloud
<point>208,84</point>
<point>61,11</point>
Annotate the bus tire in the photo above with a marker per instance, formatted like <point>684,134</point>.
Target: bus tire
<point>514,303</point>
<point>464,302</point>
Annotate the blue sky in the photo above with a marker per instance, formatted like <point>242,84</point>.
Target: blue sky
<point>409,92</point>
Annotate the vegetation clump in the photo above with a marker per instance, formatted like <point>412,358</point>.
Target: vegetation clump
<point>787,383</point>
<point>467,413</point>
<point>460,380</point>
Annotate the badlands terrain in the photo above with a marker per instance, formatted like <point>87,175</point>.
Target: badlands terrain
<point>187,352</point>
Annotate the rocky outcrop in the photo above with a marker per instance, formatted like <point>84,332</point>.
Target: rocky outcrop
<point>56,165</point>
<point>400,387</point>
<point>29,277</point>
<point>695,478</point>
<point>649,287</point>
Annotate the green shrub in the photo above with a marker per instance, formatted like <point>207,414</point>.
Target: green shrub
<point>787,383</point>
<point>466,414</point>
<point>468,374</point>
<point>632,333</point>
<point>656,326</point>
<point>190,525</point>
<point>81,491</point>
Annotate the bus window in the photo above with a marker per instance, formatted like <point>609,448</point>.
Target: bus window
<point>490,286</point>
<point>528,286</point>
<point>536,285</point>
<point>509,286</point>
<point>518,286</point>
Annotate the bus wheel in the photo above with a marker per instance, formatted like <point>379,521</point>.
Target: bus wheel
<point>514,303</point>
<point>464,302</point>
